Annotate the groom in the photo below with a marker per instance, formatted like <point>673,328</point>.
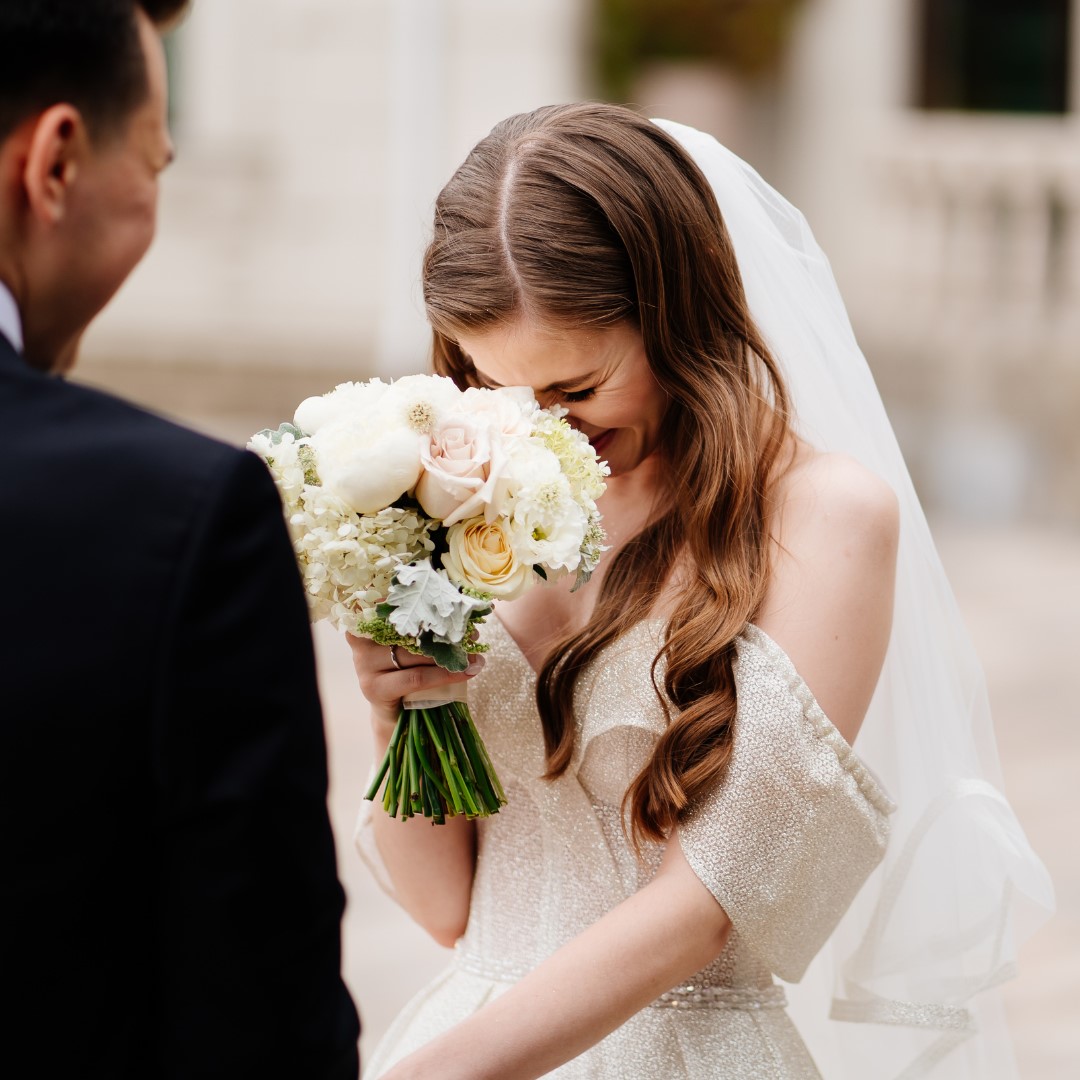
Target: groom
<point>170,904</point>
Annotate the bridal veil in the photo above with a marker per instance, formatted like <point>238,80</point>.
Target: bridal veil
<point>904,987</point>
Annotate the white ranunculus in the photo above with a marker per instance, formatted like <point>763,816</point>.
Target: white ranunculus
<point>347,401</point>
<point>367,464</point>
<point>548,526</point>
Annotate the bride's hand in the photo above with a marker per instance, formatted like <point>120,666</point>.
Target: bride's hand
<point>384,684</point>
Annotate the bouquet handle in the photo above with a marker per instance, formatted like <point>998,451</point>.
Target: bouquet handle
<point>435,696</point>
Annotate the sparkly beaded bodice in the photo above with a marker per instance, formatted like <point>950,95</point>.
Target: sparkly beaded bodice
<point>783,843</point>
<point>556,858</point>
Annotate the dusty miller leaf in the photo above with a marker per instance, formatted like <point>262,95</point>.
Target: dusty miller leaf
<point>424,601</point>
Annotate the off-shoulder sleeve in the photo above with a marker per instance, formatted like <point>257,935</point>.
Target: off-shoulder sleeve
<point>798,823</point>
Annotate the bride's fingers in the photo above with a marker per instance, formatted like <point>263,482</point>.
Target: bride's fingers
<point>393,685</point>
<point>383,682</point>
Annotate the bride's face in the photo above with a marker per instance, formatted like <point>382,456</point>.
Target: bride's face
<point>601,376</point>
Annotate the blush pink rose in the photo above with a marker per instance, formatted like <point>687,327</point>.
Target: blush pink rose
<point>459,469</point>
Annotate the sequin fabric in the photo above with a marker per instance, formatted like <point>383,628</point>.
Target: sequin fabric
<point>784,843</point>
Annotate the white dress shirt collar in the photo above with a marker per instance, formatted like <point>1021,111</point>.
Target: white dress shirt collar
<point>10,320</point>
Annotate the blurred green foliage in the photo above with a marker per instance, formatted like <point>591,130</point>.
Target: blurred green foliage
<point>745,35</point>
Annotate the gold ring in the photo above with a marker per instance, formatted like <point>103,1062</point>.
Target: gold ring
<point>393,658</point>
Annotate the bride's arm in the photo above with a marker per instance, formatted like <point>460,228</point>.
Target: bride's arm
<point>431,868</point>
<point>649,943</point>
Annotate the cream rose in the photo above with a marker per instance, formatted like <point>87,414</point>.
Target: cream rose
<point>480,557</point>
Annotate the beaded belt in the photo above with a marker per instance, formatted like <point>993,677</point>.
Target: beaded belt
<point>691,996</point>
<point>687,996</point>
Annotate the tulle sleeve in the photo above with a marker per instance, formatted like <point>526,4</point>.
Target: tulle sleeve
<point>368,850</point>
<point>798,824</point>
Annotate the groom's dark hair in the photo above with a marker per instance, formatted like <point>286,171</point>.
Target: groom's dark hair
<point>84,53</point>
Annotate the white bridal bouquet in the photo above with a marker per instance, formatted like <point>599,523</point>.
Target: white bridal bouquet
<point>413,505</point>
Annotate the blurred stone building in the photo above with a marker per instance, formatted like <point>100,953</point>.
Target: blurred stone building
<point>312,137</point>
<point>934,146</point>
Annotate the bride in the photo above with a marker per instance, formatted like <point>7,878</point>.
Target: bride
<point>687,819</point>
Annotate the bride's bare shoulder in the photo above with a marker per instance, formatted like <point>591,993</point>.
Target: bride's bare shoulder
<point>834,494</point>
<point>829,600</point>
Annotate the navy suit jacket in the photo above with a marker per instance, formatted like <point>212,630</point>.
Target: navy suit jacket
<point>169,901</point>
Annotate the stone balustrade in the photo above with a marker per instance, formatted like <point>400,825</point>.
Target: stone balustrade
<point>970,305</point>
<point>979,228</point>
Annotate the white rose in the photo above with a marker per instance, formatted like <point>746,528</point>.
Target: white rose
<point>509,409</point>
<point>366,464</point>
<point>480,556</point>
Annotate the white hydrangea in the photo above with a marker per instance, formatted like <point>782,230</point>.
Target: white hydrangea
<point>288,462</point>
<point>348,560</point>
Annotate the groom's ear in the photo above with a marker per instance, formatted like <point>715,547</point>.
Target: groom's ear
<point>57,146</point>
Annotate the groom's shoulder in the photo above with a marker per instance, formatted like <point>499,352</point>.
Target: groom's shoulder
<point>104,459</point>
<point>96,430</point>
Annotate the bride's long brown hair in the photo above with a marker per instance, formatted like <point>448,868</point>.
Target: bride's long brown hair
<point>591,216</point>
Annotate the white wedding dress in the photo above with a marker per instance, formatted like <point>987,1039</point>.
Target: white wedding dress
<point>784,843</point>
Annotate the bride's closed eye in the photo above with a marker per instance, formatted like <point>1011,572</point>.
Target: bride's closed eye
<point>574,396</point>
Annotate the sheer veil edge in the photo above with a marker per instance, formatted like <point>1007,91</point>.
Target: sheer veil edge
<point>905,986</point>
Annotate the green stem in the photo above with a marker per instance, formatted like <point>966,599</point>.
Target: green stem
<point>421,764</point>
<point>488,766</point>
<point>445,783</point>
<point>390,797</point>
<point>461,762</point>
<point>483,785</point>
<point>413,794</point>
<point>451,792</point>
<point>373,787</point>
